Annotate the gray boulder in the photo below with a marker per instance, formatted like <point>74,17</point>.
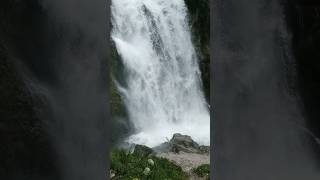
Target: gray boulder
<point>182,143</point>
<point>143,150</point>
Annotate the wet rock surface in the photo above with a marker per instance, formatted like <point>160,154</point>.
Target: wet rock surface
<point>182,143</point>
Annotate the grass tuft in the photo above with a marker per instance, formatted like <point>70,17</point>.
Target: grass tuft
<point>132,166</point>
<point>203,170</point>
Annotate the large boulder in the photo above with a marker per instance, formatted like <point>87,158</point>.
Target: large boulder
<point>182,143</point>
<point>142,150</point>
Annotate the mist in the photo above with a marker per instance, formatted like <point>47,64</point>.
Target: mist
<point>258,129</point>
<point>61,51</point>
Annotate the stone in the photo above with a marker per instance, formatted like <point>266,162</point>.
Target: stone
<point>183,143</point>
<point>142,150</point>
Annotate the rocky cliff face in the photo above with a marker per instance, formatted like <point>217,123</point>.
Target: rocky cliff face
<point>199,17</point>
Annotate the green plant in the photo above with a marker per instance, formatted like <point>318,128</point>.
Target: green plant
<point>203,170</point>
<point>129,166</point>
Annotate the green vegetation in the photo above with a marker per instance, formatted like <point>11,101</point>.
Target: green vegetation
<point>135,166</point>
<point>116,104</point>
<point>199,19</point>
<point>120,124</point>
<point>203,170</point>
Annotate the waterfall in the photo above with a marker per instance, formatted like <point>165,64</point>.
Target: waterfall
<point>162,90</point>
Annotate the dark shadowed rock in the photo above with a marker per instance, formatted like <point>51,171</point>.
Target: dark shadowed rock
<point>143,150</point>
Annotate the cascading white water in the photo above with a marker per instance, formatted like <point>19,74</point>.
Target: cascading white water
<point>163,92</point>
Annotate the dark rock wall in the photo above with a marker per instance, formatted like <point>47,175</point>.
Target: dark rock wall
<point>303,17</point>
<point>199,18</point>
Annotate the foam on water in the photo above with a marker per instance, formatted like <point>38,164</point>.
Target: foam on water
<point>162,93</point>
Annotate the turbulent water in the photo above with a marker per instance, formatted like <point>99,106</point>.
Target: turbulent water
<point>162,90</point>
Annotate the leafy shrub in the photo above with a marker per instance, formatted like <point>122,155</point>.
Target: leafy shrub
<point>203,170</point>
